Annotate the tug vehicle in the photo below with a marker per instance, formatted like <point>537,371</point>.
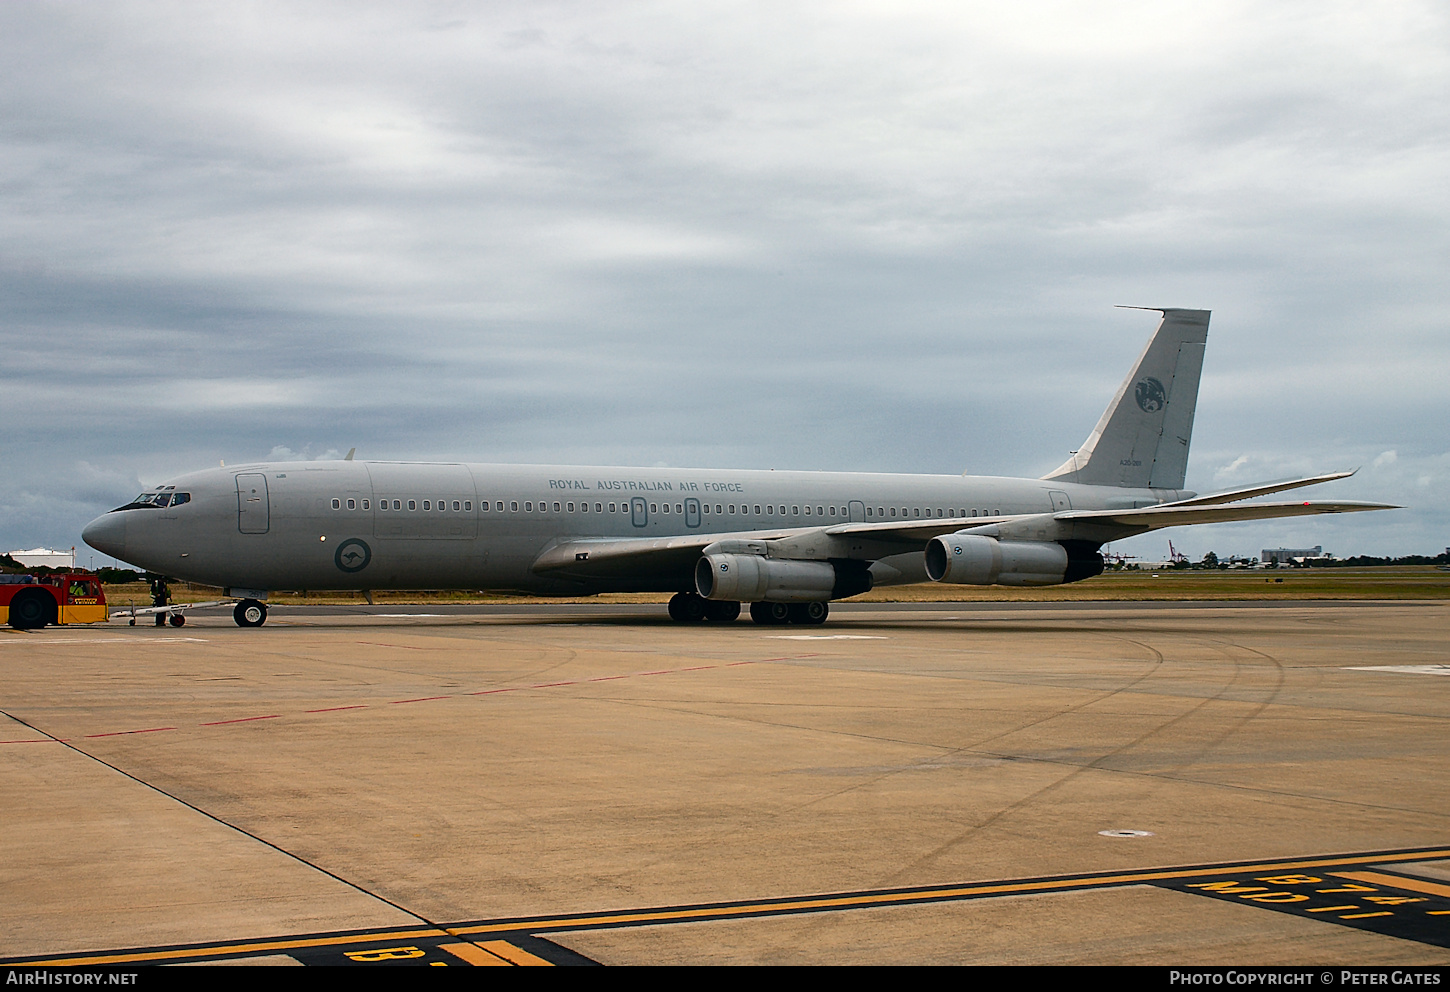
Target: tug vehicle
<point>29,601</point>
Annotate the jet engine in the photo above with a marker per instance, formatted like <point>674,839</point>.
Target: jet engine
<point>753,578</point>
<point>974,560</point>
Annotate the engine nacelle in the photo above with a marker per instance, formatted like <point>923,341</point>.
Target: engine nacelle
<point>974,560</point>
<point>752,578</point>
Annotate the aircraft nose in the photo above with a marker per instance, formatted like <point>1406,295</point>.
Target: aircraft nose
<point>107,534</point>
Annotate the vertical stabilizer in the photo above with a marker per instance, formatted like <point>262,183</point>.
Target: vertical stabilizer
<point>1142,437</point>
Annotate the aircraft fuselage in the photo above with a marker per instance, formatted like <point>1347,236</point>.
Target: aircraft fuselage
<point>408,525</point>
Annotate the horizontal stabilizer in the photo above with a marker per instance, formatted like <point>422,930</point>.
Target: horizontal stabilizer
<point>1259,489</point>
<point>1168,515</point>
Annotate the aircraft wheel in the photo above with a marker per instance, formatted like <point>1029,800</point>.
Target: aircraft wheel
<point>810,613</point>
<point>686,607</point>
<point>133,621</point>
<point>721,611</point>
<point>250,613</point>
<point>770,613</point>
<point>30,610</point>
<point>178,620</point>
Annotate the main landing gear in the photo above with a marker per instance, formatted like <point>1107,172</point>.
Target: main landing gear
<point>686,607</point>
<point>775,613</point>
<point>250,613</point>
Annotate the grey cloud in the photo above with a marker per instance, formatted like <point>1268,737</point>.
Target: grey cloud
<point>865,238</point>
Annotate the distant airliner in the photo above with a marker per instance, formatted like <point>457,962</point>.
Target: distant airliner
<point>785,542</point>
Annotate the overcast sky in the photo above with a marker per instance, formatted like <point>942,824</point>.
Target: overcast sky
<point>877,237</point>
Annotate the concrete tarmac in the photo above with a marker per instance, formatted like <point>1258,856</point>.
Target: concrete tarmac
<point>601,773</point>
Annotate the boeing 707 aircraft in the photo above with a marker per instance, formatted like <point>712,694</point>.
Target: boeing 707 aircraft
<point>787,543</point>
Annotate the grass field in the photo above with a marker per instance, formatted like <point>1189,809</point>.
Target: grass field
<point>1391,582</point>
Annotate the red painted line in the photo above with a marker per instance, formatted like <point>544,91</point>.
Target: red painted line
<point>424,699</point>
<point>120,733</point>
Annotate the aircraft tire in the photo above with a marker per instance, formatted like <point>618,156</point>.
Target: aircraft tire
<point>250,613</point>
<point>721,611</point>
<point>809,613</point>
<point>686,607</point>
<point>178,620</point>
<point>31,610</point>
<point>769,614</point>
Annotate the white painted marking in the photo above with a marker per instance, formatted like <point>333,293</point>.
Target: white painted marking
<point>1404,669</point>
<point>826,637</point>
<point>407,615</point>
<point>1125,833</point>
<point>140,639</point>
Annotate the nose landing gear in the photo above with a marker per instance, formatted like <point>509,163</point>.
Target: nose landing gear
<point>250,613</point>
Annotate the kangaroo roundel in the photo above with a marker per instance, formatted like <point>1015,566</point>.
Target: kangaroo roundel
<point>353,555</point>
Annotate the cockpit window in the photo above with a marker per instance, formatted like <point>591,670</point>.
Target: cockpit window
<point>156,500</point>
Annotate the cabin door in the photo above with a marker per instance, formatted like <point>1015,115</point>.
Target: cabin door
<point>254,515</point>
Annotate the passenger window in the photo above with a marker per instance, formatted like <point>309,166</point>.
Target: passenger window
<point>818,511</point>
<point>613,508</point>
<point>916,512</point>
<point>352,504</point>
<point>598,507</point>
<point>868,511</point>
<point>367,504</point>
<point>514,506</point>
<point>571,507</point>
<point>528,507</point>
<point>499,506</point>
<point>679,508</point>
<point>337,504</point>
<point>654,508</point>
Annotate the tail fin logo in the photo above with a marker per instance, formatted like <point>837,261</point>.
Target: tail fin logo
<point>1150,395</point>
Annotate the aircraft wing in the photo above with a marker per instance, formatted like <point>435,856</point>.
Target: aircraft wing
<point>670,561</point>
<point>623,557</point>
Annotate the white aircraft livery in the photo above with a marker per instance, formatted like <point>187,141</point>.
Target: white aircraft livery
<point>787,543</point>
